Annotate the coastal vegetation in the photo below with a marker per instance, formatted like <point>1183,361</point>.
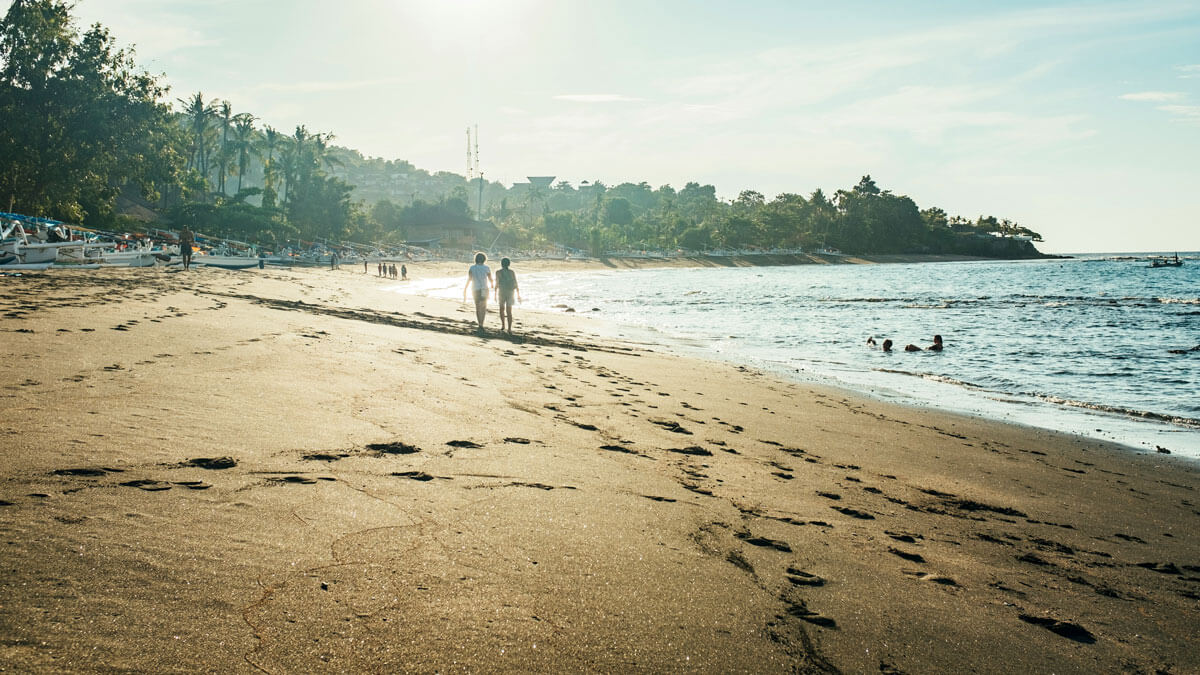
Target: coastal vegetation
<point>89,137</point>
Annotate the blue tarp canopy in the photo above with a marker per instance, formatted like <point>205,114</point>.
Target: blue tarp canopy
<point>30,219</point>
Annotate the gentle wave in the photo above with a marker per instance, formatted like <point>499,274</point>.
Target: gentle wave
<point>1177,420</point>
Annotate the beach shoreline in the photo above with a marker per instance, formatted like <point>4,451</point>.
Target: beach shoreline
<point>1137,429</point>
<point>297,470</point>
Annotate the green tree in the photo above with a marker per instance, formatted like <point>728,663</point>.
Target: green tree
<point>198,116</point>
<point>243,143</point>
<point>80,121</point>
<point>271,143</point>
<point>225,120</point>
<point>617,211</point>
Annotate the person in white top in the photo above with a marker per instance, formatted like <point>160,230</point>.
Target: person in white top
<point>479,276</point>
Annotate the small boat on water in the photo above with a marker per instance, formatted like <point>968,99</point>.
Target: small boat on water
<point>1166,262</point>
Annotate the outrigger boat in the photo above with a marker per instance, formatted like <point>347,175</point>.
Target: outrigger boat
<point>225,257</point>
<point>1166,262</point>
<point>37,249</point>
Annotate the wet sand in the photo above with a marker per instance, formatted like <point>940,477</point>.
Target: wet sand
<point>297,471</point>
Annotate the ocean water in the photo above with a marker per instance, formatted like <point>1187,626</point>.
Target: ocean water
<point>1082,345</point>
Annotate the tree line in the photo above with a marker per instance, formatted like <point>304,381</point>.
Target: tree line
<point>87,133</point>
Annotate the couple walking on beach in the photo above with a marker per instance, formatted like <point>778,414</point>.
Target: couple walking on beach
<point>479,278</point>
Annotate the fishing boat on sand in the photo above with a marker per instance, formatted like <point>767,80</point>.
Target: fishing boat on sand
<point>33,243</point>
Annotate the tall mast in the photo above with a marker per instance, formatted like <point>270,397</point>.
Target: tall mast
<point>470,172</point>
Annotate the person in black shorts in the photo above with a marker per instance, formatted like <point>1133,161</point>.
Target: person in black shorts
<point>186,239</point>
<point>506,287</point>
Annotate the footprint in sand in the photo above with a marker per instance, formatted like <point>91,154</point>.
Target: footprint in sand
<point>853,513</point>
<point>693,450</point>
<point>798,577</point>
<point>295,480</point>
<point>619,448</point>
<point>85,471</point>
<point>932,578</point>
<point>1066,629</point>
<point>672,426</point>
<point>147,485</point>
<point>414,475</point>
<point>212,463</point>
<point>911,557</point>
<point>764,542</point>
<point>800,610</point>
<point>393,448</point>
<point>324,457</point>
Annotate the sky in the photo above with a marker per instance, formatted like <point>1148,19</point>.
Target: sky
<point>1079,120</point>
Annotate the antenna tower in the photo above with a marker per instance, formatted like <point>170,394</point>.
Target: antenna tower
<point>470,166</point>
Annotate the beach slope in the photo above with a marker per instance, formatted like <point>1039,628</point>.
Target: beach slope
<point>299,471</point>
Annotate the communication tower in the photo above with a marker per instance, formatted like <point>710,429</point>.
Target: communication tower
<point>470,165</point>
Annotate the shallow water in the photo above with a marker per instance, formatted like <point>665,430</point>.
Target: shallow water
<point>1081,345</point>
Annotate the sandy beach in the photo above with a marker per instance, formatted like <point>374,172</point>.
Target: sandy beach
<point>290,471</point>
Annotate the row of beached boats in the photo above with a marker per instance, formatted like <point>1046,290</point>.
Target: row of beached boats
<point>29,243</point>
<point>26,244</point>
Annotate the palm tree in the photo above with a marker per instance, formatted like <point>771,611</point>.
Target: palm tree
<point>321,151</point>
<point>271,141</point>
<point>293,160</point>
<point>197,114</point>
<point>225,112</point>
<point>243,143</point>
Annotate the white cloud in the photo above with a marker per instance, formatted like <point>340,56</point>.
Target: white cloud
<point>596,98</point>
<point>1183,113</point>
<point>1189,71</point>
<point>1154,96</point>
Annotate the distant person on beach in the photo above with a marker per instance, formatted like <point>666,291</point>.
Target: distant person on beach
<point>887,345</point>
<point>937,344</point>
<point>480,277</point>
<point>506,286</point>
<point>378,269</point>
<point>186,238</point>
<point>403,272</point>
<point>364,265</point>
<point>871,341</point>
<point>333,260</point>
<point>392,270</point>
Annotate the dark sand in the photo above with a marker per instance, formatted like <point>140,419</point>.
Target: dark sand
<point>295,471</point>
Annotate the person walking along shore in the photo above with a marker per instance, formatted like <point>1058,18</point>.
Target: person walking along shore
<point>479,276</point>
<point>506,286</point>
